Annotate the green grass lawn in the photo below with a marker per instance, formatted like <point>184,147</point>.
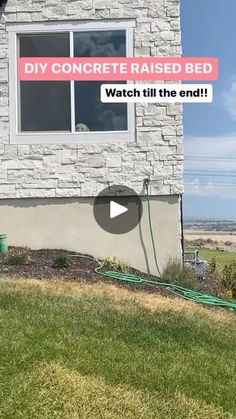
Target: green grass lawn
<point>222,258</point>
<point>72,351</point>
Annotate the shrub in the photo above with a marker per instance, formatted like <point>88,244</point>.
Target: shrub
<point>214,279</point>
<point>228,243</point>
<point>229,278</point>
<point>212,266</point>
<point>199,242</point>
<point>61,261</point>
<point>202,242</point>
<point>17,256</point>
<point>115,264</point>
<point>18,259</point>
<point>222,283</point>
<point>174,273</point>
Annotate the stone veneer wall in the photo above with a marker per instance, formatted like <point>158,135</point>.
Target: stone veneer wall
<point>83,170</point>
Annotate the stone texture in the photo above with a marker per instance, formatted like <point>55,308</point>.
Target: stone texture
<point>84,169</point>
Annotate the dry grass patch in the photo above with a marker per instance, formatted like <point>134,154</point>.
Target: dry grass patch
<point>151,301</point>
<point>79,350</point>
<point>53,391</point>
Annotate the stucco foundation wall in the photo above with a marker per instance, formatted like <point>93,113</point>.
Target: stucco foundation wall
<point>69,224</point>
<point>75,170</point>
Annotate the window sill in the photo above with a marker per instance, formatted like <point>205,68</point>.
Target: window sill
<point>77,138</point>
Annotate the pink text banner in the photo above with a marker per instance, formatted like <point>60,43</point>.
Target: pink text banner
<point>119,68</point>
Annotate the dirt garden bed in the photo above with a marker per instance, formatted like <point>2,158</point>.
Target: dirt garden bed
<point>42,264</point>
<point>48,264</point>
<point>60,264</point>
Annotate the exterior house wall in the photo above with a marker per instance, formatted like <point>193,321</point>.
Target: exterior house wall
<point>64,172</point>
<point>74,170</point>
<point>68,223</point>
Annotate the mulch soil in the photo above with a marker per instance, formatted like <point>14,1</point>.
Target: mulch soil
<point>39,264</point>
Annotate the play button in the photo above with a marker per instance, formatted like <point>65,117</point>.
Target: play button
<point>118,209</point>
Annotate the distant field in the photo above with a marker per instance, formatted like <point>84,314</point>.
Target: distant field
<point>222,258</point>
<point>220,236</point>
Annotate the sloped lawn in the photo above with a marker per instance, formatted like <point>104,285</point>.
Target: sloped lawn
<point>71,350</point>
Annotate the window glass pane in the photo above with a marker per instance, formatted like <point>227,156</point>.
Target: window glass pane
<point>45,106</point>
<point>100,44</point>
<point>45,45</point>
<point>93,115</point>
<point>90,113</point>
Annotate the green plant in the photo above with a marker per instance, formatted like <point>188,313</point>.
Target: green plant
<point>214,278</point>
<point>174,273</point>
<point>17,259</point>
<point>115,264</point>
<point>61,261</point>
<point>229,278</point>
<point>16,256</point>
<point>212,266</point>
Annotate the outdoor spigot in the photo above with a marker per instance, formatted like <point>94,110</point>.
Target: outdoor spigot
<point>146,183</point>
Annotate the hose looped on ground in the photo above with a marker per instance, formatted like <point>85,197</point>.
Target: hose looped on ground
<point>188,294</point>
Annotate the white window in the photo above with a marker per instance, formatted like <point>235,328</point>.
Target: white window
<point>67,111</point>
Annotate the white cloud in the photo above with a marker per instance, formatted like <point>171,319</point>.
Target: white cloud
<point>217,149</point>
<point>210,189</point>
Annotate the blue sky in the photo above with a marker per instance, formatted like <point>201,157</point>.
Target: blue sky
<point>209,29</point>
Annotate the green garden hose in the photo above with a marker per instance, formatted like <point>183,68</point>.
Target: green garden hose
<point>176,289</point>
<point>146,183</point>
<point>188,294</point>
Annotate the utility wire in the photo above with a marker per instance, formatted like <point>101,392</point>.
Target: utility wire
<point>210,158</point>
<point>205,175</point>
<point>211,185</point>
<point>210,171</point>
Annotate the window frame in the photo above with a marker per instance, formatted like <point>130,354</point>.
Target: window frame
<point>62,137</point>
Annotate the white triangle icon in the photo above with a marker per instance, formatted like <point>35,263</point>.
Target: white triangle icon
<point>116,209</point>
